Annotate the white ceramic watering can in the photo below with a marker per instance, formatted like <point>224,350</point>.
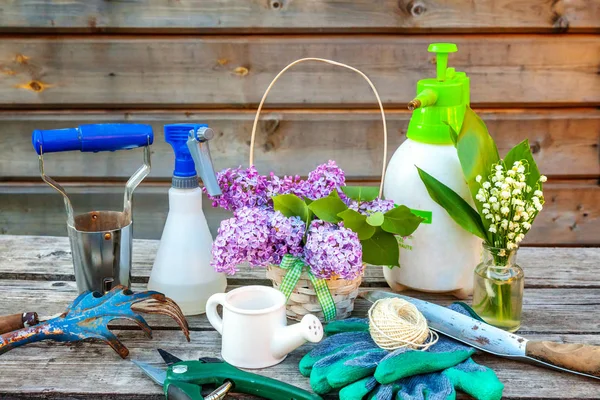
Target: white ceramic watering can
<point>254,327</point>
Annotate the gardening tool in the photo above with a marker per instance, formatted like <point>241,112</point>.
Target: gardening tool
<point>101,241</point>
<point>575,358</point>
<point>13,322</point>
<point>254,326</point>
<point>89,315</point>
<point>441,256</point>
<point>183,380</point>
<point>182,267</point>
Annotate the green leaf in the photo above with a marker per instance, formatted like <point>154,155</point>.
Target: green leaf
<point>291,205</point>
<point>361,193</point>
<point>458,209</point>
<point>358,223</point>
<point>477,152</point>
<point>401,221</point>
<point>375,219</point>
<point>453,136</point>
<point>522,151</point>
<point>381,249</point>
<point>328,208</point>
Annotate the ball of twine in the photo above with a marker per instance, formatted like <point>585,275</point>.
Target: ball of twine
<point>396,323</point>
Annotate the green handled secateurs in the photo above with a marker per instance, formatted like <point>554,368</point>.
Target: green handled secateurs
<point>183,380</point>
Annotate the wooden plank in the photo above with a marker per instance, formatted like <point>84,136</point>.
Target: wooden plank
<point>575,308</point>
<point>570,216</point>
<point>48,258</point>
<point>564,141</point>
<point>88,370</point>
<point>108,71</point>
<point>306,16</point>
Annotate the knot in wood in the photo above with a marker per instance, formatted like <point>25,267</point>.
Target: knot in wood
<point>276,4</point>
<point>416,8</point>
<point>561,24</point>
<point>241,71</point>
<point>535,147</point>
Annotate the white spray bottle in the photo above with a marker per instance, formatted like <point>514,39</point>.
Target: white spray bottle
<point>443,255</point>
<point>182,269</point>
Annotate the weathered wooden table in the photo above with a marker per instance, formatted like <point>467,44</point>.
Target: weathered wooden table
<point>562,303</point>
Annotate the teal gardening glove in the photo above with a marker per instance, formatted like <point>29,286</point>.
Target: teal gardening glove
<point>349,360</point>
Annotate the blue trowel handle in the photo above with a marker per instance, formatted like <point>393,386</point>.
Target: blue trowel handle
<point>94,137</point>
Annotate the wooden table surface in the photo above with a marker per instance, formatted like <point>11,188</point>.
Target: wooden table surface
<point>562,303</point>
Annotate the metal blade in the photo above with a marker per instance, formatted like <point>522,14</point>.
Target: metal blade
<point>169,358</point>
<point>462,328</point>
<point>156,374</point>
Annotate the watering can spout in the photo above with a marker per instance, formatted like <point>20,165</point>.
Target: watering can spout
<point>288,338</point>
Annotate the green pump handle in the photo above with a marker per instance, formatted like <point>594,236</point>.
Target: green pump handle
<point>186,385</point>
<point>442,50</point>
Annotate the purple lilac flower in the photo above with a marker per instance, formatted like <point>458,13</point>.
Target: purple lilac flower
<point>333,251</point>
<point>241,187</point>
<point>257,236</point>
<point>369,207</point>
<point>286,185</point>
<point>323,180</point>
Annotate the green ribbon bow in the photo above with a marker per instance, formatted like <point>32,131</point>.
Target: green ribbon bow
<point>295,266</point>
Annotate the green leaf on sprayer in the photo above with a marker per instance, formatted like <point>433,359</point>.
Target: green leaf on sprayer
<point>375,219</point>
<point>361,193</point>
<point>458,209</point>
<point>400,221</point>
<point>477,152</point>
<point>358,223</point>
<point>291,205</point>
<point>328,208</point>
<point>381,249</point>
<point>522,151</point>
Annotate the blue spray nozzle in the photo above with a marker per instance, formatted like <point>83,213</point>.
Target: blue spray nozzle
<point>94,138</point>
<point>190,144</point>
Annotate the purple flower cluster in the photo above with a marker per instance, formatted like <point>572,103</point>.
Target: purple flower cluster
<point>241,187</point>
<point>369,207</point>
<point>333,251</point>
<point>257,236</point>
<point>245,187</point>
<point>323,180</point>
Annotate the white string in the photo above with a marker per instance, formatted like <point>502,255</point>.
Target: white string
<point>396,323</point>
<point>262,101</point>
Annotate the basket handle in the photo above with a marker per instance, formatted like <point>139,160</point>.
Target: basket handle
<point>262,101</point>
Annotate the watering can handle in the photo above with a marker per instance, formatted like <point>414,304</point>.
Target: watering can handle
<point>94,138</point>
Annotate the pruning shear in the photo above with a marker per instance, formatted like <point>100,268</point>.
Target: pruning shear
<point>183,380</point>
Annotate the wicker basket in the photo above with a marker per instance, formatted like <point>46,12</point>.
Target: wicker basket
<point>303,299</point>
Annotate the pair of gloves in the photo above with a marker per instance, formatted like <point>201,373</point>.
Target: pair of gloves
<point>348,360</point>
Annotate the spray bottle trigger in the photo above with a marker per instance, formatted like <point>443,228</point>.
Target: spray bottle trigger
<point>197,144</point>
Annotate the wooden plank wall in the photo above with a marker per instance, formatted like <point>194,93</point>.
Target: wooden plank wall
<point>534,68</point>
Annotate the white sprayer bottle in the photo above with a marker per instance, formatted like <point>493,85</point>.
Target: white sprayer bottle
<point>443,255</point>
<point>182,269</point>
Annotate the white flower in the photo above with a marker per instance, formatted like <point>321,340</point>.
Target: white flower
<point>516,192</point>
<point>499,167</point>
<point>486,205</point>
<point>525,216</point>
<point>478,178</point>
<point>505,194</point>
<point>511,172</point>
<point>486,185</point>
<point>516,217</point>
<point>526,225</point>
<point>535,200</point>
<point>493,199</point>
<point>509,180</point>
<point>539,207</point>
<point>538,193</point>
<point>517,163</point>
<point>505,210</point>
<point>492,228</point>
<point>521,169</point>
<point>497,218</point>
<point>496,206</point>
<point>489,216</point>
<point>485,211</point>
<point>511,245</point>
<point>543,178</point>
<point>528,189</point>
<point>510,235</point>
<point>504,224</point>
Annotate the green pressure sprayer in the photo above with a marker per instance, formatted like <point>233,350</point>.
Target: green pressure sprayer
<point>443,255</point>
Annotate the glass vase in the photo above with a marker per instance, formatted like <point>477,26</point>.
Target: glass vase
<point>498,288</point>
